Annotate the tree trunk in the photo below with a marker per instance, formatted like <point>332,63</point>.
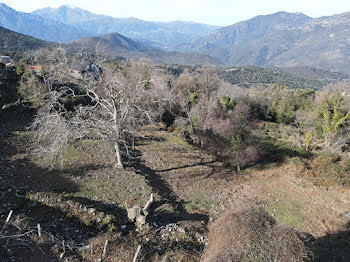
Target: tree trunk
<point>238,167</point>
<point>118,157</point>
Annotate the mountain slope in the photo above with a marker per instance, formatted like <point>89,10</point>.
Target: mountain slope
<point>38,27</point>
<point>246,31</point>
<point>282,40</point>
<point>325,45</point>
<point>158,34</point>
<point>248,76</point>
<point>116,45</point>
<point>15,42</point>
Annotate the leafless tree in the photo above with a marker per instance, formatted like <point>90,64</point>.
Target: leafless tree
<point>110,106</point>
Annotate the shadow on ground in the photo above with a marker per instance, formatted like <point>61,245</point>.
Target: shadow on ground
<point>332,248</point>
<point>166,195</point>
<point>20,179</point>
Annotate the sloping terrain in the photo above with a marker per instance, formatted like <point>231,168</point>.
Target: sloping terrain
<point>38,27</point>
<point>282,40</point>
<point>313,73</point>
<point>243,32</point>
<point>248,76</point>
<point>15,42</point>
<point>157,34</point>
<point>81,200</point>
<point>116,45</point>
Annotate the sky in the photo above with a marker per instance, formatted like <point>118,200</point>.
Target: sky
<point>214,12</point>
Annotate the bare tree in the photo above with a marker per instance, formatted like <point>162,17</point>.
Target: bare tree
<point>110,106</point>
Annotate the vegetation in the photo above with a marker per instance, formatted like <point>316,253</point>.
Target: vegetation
<point>14,42</point>
<point>248,76</point>
<point>247,159</point>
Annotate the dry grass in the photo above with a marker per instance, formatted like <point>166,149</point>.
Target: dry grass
<point>250,234</point>
<point>327,169</point>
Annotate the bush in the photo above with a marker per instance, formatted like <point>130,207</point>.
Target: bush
<point>26,74</point>
<point>193,98</point>
<point>19,70</point>
<point>250,234</point>
<point>227,103</point>
<point>326,169</point>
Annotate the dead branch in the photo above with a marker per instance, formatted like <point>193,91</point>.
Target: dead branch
<point>6,221</point>
<point>137,253</point>
<point>105,249</point>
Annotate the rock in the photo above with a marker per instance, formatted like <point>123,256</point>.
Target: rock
<point>123,227</point>
<point>347,215</point>
<point>133,212</point>
<point>181,230</point>
<point>85,248</point>
<point>140,221</point>
<point>91,211</point>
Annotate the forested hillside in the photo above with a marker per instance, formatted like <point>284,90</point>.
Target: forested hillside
<point>15,42</point>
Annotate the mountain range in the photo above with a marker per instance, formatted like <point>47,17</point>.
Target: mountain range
<point>112,45</point>
<point>157,34</point>
<point>116,45</point>
<point>38,27</point>
<point>281,39</point>
<point>277,40</point>
<point>15,42</point>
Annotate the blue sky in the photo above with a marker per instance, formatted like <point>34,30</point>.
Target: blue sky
<point>216,12</point>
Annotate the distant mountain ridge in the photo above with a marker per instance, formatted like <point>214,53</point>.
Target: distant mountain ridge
<point>242,32</point>
<point>283,40</point>
<point>15,42</point>
<point>116,45</point>
<point>158,34</point>
<point>38,27</point>
<point>112,45</point>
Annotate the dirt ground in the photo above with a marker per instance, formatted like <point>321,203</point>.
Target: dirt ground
<point>80,203</point>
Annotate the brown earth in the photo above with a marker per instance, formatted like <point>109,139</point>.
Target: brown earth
<point>81,200</point>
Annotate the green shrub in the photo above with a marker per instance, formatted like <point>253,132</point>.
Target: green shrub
<point>19,70</point>
<point>193,98</point>
<point>227,103</point>
<point>26,74</point>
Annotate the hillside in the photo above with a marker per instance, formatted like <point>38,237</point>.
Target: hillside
<point>158,34</point>
<point>95,168</point>
<point>84,201</point>
<point>249,75</point>
<point>116,45</point>
<point>274,41</point>
<point>317,45</point>
<point>15,42</point>
<point>38,27</point>
<point>313,73</point>
<point>246,31</point>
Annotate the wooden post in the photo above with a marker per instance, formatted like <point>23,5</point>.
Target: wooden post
<point>64,250</point>
<point>137,253</point>
<point>7,220</point>
<point>39,230</point>
<point>149,203</point>
<point>105,249</point>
